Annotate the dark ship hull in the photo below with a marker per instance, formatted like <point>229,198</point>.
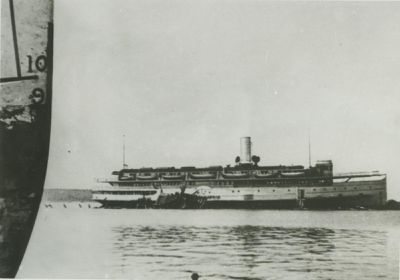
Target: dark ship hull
<point>24,130</point>
<point>23,159</point>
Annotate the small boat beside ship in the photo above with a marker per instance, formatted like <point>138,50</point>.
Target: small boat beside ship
<point>245,185</point>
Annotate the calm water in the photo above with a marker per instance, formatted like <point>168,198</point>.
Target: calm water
<point>78,242</point>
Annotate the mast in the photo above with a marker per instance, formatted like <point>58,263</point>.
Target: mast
<point>309,150</point>
<point>123,151</point>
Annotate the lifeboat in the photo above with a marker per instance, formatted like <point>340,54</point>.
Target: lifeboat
<point>130,177</point>
<point>146,176</point>
<point>203,175</point>
<point>265,175</point>
<point>235,175</point>
<point>292,174</point>
<point>174,176</point>
<point>127,176</point>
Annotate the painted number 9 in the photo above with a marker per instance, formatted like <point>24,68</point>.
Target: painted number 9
<point>37,96</point>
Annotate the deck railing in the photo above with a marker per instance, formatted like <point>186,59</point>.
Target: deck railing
<point>357,174</point>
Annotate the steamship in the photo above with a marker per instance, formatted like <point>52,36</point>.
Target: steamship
<point>245,185</point>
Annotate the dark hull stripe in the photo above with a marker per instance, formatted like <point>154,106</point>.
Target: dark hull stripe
<point>316,203</point>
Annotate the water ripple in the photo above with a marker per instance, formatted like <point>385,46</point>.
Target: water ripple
<point>248,252</point>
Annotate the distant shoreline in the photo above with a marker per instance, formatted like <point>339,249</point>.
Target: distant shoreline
<point>67,195</point>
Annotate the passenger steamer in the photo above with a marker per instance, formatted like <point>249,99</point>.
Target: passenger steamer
<point>245,185</point>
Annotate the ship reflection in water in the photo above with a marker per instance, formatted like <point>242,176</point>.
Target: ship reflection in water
<point>250,252</point>
<point>76,242</point>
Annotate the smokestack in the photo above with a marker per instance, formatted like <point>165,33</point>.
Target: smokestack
<point>245,150</point>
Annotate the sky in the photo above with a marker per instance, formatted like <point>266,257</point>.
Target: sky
<point>184,80</point>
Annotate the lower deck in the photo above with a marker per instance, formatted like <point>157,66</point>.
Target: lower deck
<point>343,194</point>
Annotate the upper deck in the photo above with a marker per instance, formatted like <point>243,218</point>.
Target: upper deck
<point>245,172</point>
<point>320,173</point>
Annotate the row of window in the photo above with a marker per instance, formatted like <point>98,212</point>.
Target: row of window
<point>270,182</point>
<point>177,184</point>
<point>154,192</point>
<point>128,192</point>
<point>345,188</point>
<point>221,183</point>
